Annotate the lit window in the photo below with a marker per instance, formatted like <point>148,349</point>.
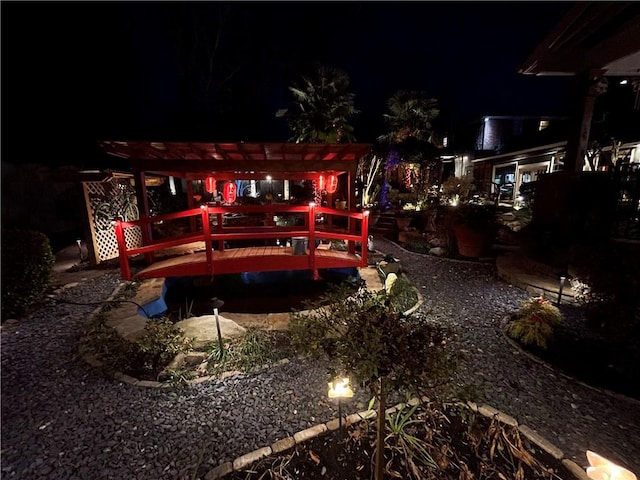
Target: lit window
<point>445,142</point>
<point>543,124</point>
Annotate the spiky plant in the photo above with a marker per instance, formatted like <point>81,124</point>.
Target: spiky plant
<point>535,322</point>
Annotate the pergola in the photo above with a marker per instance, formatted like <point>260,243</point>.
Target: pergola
<point>239,161</point>
<point>242,161</point>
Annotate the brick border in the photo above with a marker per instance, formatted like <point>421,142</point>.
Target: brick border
<point>280,446</point>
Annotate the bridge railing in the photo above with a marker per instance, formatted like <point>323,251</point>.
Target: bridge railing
<point>217,232</point>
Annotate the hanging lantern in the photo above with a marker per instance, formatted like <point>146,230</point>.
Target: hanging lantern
<point>229,192</point>
<point>321,182</point>
<point>210,184</point>
<point>332,184</point>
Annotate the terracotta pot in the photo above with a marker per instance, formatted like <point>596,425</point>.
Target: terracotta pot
<point>403,222</point>
<point>472,243</point>
<point>341,204</point>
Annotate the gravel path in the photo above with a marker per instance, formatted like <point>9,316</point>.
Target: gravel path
<point>570,415</point>
<point>62,419</point>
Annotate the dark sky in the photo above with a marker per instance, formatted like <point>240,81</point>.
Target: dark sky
<point>76,72</point>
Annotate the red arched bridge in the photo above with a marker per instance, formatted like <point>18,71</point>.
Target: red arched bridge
<point>262,246</point>
<point>261,241</point>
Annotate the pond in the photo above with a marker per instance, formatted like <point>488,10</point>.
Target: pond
<point>252,292</point>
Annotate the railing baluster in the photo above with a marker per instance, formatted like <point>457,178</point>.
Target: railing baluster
<point>364,226</point>
<point>206,233</point>
<point>312,239</point>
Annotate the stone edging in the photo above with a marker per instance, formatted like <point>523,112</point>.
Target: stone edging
<point>279,446</point>
<point>128,379</point>
<point>556,371</point>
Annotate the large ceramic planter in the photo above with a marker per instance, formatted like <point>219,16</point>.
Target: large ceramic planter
<point>403,222</point>
<point>472,243</point>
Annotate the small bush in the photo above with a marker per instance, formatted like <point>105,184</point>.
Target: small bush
<point>147,357</point>
<point>161,342</point>
<point>247,354</point>
<point>27,262</point>
<point>534,323</point>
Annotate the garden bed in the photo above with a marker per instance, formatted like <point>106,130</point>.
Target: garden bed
<point>450,442</point>
<point>592,355</point>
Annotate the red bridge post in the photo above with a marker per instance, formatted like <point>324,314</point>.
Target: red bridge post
<point>125,271</point>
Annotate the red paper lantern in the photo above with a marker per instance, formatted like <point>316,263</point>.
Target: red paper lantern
<point>229,192</point>
<point>321,182</point>
<point>210,184</point>
<point>332,184</point>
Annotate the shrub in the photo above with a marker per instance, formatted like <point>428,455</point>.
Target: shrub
<point>147,357</point>
<point>27,262</point>
<point>607,286</point>
<point>161,342</point>
<point>534,323</point>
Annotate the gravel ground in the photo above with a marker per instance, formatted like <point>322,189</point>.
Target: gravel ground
<point>62,419</point>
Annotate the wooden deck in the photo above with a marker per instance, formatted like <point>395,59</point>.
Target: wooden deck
<point>252,259</point>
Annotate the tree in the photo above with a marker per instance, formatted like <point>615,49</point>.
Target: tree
<point>411,137</point>
<point>321,108</point>
<point>410,116</point>
<point>210,54</point>
<point>379,346</point>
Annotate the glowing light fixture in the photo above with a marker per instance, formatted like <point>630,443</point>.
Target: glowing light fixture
<point>229,192</point>
<point>340,389</point>
<point>210,184</point>
<point>602,469</point>
<point>332,183</point>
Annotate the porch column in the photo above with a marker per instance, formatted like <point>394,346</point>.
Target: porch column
<point>590,85</point>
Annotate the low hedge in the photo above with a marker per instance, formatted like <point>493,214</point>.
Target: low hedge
<point>27,263</point>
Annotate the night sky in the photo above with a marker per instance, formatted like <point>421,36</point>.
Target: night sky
<point>77,72</point>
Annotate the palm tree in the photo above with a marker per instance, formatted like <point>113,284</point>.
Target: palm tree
<point>409,118</point>
<point>321,108</point>
<point>411,139</point>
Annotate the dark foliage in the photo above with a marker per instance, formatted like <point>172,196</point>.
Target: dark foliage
<point>27,262</point>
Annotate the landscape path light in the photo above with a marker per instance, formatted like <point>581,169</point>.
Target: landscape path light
<point>340,389</point>
<point>562,280</point>
<point>216,303</point>
<point>602,469</point>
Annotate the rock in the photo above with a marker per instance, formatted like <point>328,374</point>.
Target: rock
<point>204,329</point>
<point>437,251</point>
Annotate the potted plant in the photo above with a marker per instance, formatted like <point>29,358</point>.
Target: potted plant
<point>474,226</point>
<point>404,216</point>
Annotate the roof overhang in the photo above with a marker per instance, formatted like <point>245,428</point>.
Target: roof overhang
<point>246,161</point>
<point>592,36</point>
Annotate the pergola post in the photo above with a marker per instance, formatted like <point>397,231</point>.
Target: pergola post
<point>143,202</point>
<point>190,205</point>
<point>351,202</point>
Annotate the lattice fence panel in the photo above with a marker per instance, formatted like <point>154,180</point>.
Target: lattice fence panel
<point>109,200</point>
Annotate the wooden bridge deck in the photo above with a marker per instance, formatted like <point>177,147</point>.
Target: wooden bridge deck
<point>251,259</point>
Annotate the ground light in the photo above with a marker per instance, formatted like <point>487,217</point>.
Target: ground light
<point>562,280</point>
<point>602,469</point>
<point>340,389</point>
<point>216,303</point>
